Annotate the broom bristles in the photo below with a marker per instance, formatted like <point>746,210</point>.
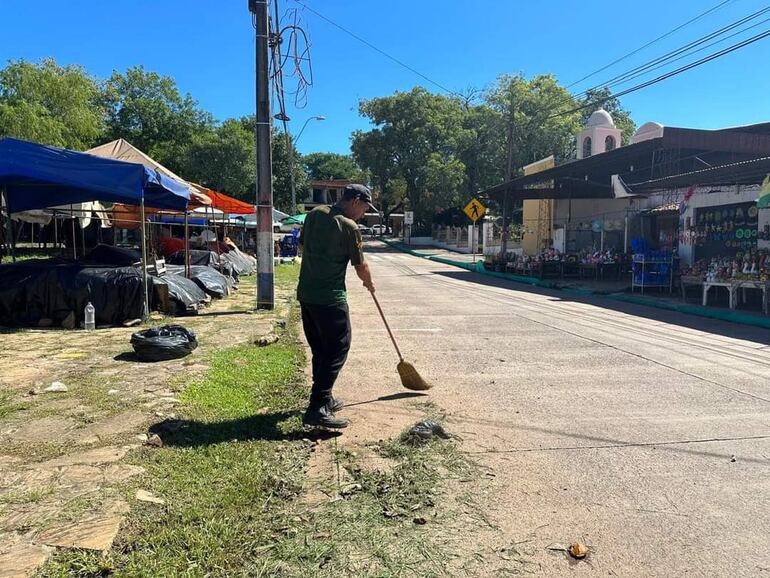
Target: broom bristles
<point>410,379</point>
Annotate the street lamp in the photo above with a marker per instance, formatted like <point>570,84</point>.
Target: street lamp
<point>299,134</point>
<point>289,145</point>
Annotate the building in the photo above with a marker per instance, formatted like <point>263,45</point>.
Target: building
<point>324,193</point>
<point>664,186</point>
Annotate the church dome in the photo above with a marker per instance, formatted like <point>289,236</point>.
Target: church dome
<point>647,131</point>
<point>600,119</point>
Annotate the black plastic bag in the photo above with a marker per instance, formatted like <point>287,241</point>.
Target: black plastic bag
<point>427,429</point>
<point>164,343</point>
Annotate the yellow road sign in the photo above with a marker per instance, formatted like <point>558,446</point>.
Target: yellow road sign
<point>475,210</point>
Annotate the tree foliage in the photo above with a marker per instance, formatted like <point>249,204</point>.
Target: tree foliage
<point>418,133</point>
<point>446,149</point>
<point>52,104</point>
<point>328,166</point>
<point>148,110</point>
<point>223,159</point>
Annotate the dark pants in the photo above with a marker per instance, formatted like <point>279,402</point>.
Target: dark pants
<point>327,329</point>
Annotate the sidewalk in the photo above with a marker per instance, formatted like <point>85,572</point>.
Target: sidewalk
<point>616,291</point>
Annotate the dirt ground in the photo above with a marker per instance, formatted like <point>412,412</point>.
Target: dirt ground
<point>62,481</point>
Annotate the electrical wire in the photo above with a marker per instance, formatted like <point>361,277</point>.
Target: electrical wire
<point>666,35</point>
<point>670,74</point>
<point>684,51</point>
<point>379,50</point>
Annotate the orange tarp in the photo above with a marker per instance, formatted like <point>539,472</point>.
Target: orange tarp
<point>228,204</point>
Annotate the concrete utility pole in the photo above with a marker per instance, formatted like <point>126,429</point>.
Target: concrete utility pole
<point>508,176</point>
<point>264,180</point>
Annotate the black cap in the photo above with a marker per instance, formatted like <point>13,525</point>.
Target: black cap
<point>359,192</point>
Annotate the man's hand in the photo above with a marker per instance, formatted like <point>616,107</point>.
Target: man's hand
<point>365,275</point>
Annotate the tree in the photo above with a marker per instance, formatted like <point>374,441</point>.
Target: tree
<point>50,104</point>
<point>482,148</point>
<point>600,98</point>
<point>148,110</point>
<point>280,162</point>
<point>415,138</point>
<point>222,159</point>
<point>539,111</point>
<point>329,166</point>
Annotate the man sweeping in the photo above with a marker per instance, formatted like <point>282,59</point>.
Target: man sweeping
<point>330,239</point>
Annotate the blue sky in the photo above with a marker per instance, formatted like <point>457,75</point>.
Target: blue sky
<point>208,48</point>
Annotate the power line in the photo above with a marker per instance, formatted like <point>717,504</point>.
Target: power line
<point>667,34</point>
<point>683,50</point>
<point>662,77</point>
<point>709,45</point>
<point>375,48</point>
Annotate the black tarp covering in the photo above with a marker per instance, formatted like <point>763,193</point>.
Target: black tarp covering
<point>54,288</point>
<point>232,263</point>
<point>243,264</point>
<point>207,278</point>
<point>184,293</point>
<point>109,256</point>
<point>204,259</point>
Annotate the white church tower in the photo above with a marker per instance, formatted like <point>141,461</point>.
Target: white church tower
<point>599,135</point>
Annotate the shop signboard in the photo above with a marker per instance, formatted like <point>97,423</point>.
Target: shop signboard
<point>725,230</point>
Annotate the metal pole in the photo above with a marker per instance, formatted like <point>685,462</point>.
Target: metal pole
<point>187,271</point>
<point>504,241</point>
<point>290,152</point>
<point>473,239</point>
<point>625,236</point>
<point>144,264</point>
<point>265,288</point>
<point>9,243</point>
<point>74,238</point>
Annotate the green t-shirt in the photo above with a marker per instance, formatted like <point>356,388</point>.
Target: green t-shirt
<point>329,241</point>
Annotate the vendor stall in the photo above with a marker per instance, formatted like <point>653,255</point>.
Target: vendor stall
<point>34,176</point>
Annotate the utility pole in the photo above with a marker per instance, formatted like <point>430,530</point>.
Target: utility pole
<point>508,174</point>
<point>264,179</point>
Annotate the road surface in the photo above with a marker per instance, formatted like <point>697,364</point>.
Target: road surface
<point>643,433</point>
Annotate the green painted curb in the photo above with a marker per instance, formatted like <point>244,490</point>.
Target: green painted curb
<point>688,309</point>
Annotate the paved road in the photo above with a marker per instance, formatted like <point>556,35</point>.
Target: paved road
<point>609,423</point>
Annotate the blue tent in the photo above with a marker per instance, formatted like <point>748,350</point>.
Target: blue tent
<point>36,176</point>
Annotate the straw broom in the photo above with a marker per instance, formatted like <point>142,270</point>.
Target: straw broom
<point>410,378</point>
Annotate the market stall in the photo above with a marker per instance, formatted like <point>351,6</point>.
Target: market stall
<point>34,176</point>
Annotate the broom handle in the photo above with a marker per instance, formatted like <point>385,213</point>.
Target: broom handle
<point>385,321</point>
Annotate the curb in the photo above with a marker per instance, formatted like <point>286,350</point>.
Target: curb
<point>687,309</point>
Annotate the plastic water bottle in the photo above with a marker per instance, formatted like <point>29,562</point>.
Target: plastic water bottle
<point>90,317</point>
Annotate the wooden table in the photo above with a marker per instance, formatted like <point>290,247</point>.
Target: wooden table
<point>590,268</point>
<point>689,280</point>
<point>729,285</point>
<point>763,286</point>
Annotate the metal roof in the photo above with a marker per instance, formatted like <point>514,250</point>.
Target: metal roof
<point>678,152</point>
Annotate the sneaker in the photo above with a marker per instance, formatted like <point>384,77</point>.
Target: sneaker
<point>335,405</point>
<point>323,417</point>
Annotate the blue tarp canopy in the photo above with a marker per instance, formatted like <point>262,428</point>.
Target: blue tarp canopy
<point>37,176</point>
<point>177,219</point>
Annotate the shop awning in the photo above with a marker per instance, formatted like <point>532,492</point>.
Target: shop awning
<point>295,219</point>
<point>37,176</point>
<point>123,150</point>
<point>228,204</point>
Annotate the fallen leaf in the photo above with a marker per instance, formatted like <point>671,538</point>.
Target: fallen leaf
<point>578,550</point>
